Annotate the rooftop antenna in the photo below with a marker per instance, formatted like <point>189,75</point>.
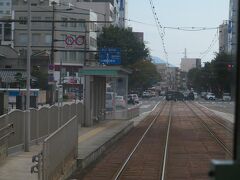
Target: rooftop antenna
<point>185,53</point>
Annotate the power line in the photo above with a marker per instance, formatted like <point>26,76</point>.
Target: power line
<point>213,42</point>
<point>159,28</point>
<point>180,28</point>
<point>191,28</point>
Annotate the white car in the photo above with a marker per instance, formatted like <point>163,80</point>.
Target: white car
<point>195,95</point>
<point>146,94</point>
<point>110,101</point>
<point>226,97</point>
<point>210,96</point>
<point>120,102</point>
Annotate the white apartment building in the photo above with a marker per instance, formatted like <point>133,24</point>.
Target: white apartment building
<point>223,37</point>
<point>113,10</point>
<point>68,54</point>
<point>232,28</point>
<point>190,63</point>
<point>103,10</point>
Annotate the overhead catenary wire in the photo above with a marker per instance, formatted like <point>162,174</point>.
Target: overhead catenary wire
<point>159,28</point>
<point>213,42</point>
<point>180,28</point>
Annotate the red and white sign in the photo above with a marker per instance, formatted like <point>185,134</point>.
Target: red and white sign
<point>74,42</point>
<point>69,40</point>
<point>80,40</point>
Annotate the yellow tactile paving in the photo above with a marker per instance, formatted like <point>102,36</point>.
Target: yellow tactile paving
<point>95,131</point>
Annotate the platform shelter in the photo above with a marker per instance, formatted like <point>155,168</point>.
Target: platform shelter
<point>98,81</point>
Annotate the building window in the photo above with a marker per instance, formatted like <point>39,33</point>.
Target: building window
<point>0,31</point>
<point>64,24</point>
<point>36,38</point>
<point>81,25</point>
<point>7,3</point>
<point>35,18</point>
<point>73,24</point>
<point>72,56</point>
<point>64,56</point>
<point>7,32</point>
<point>48,39</point>
<point>93,42</point>
<point>23,18</point>
<point>23,38</point>
<point>1,3</point>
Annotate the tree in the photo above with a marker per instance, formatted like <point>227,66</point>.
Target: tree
<point>223,68</point>
<point>144,75</point>
<point>20,80</point>
<point>132,50</point>
<point>216,76</point>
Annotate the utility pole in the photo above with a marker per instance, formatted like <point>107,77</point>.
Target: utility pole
<point>27,119</point>
<point>52,49</point>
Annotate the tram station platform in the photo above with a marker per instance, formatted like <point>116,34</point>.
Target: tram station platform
<point>92,142</point>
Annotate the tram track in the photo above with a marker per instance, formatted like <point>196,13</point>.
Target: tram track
<point>230,130</point>
<point>214,135</point>
<point>121,171</point>
<point>172,142</point>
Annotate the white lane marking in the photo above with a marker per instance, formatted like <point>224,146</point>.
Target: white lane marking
<point>145,106</point>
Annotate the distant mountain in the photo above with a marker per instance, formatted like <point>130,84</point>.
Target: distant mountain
<point>157,60</point>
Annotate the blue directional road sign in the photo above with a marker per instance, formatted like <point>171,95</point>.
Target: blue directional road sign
<point>110,56</point>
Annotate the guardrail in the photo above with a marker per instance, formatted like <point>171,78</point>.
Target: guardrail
<point>60,150</point>
<point>124,114</point>
<point>44,121</point>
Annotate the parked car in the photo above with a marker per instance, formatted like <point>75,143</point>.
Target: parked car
<point>133,98</point>
<point>210,96</point>
<point>145,94</point>
<point>110,101</point>
<point>226,97</point>
<point>120,102</point>
<point>203,94</point>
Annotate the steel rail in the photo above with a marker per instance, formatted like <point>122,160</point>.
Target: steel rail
<point>166,144</point>
<point>213,134</point>
<point>219,123</point>
<point>119,172</point>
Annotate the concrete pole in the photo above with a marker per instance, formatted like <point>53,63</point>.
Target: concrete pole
<point>27,117</point>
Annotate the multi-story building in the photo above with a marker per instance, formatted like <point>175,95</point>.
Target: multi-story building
<point>123,13</point>
<point>190,63</point>
<point>5,28</point>
<point>223,37</point>
<point>105,11</point>
<point>170,77</point>
<point>117,13</point>
<point>140,36</point>
<point>232,28</point>
<point>63,43</point>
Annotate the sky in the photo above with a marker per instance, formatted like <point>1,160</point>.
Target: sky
<point>179,13</point>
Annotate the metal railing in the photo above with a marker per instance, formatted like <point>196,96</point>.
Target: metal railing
<point>59,149</point>
<point>44,121</point>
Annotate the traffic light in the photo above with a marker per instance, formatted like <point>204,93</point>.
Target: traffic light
<point>229,67</point>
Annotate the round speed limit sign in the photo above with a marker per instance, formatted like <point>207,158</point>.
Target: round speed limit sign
<point>80,40</point>
<point>69,40</point>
